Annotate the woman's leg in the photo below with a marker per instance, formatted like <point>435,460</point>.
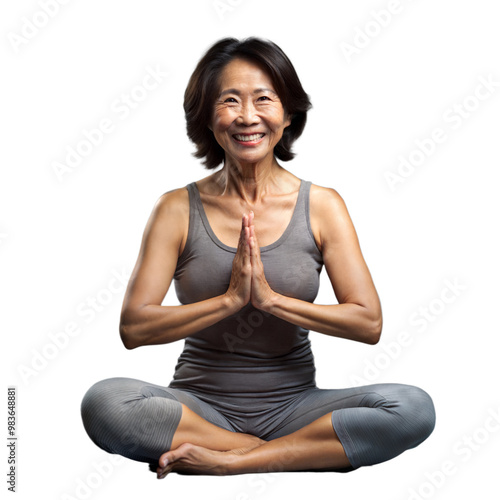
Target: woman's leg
<point>368,425</point>
<point>141,421</point>
<point>196,430</point>
<point>314,447</point>
<point>374,423</point>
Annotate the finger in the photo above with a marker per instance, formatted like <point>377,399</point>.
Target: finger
<point>244,248</point>
<point>244,228</point>
<point>254,243</point>
<point>243,242</point>
<point>244,224</point>
<point>166,458</point>
<point>247,239</point>
<point>161,472</point>
<point>166,463</point>
<point>254,251</point>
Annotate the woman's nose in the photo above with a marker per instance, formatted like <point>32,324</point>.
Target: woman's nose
<point>248,115</point>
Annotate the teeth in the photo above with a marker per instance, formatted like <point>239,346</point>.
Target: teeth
<point>248,138</point>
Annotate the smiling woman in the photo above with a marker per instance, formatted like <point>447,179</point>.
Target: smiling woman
<point>205,87</point>
<point>243,397</point>
<point>248,119</point>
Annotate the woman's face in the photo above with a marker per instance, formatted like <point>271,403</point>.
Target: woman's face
<point>248,118</point>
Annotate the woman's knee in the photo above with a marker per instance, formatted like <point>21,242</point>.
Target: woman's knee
<point>97,408</point>
<point>130,417</point>
<point>417,408</point>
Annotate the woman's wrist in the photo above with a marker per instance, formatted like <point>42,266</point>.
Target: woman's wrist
<point>230,303</point>
<point>270,305</point>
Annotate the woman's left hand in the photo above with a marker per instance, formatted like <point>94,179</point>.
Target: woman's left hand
<point>261,295</point>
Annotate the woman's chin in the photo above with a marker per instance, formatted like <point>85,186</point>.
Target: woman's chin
<point>249,157</point>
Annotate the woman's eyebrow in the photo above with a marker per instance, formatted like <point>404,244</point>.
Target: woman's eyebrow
<point>237,92</point>
<point>258,91</point>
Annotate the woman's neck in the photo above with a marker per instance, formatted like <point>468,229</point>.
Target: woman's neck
<point>250,182</point>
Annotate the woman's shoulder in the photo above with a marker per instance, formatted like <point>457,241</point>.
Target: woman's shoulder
<point>173,203</point>
<point>325,199</point>
<point>328,213</point>
<point>169,220</point>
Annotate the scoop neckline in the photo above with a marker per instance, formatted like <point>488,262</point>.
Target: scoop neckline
<point>265,248</point>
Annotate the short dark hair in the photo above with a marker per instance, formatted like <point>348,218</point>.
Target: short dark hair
<point>203,87</point>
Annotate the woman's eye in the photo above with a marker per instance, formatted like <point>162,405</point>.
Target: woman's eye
<point>230,99</point>
<point>264,98</point>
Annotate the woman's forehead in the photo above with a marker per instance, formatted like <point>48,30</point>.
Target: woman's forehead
<point>241,74</point>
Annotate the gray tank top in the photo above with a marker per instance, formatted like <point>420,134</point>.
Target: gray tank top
<point>250,353</point>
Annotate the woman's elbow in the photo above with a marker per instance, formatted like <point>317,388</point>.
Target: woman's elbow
<point>128,333</point>
<point>374,331</point>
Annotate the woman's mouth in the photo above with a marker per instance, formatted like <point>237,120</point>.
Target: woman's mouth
<point>249,138</point>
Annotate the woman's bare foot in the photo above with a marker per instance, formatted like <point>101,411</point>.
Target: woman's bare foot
<point>313,447</point>
<point>193,459</point>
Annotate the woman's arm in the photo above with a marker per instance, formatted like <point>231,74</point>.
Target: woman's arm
<point>144,321</point>
<point>358,315</point>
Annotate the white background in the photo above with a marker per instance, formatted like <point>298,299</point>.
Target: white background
<point>62,238</point>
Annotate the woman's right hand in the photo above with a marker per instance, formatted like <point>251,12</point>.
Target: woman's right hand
<point>240,285</point>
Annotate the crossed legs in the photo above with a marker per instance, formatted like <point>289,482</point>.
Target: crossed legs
<point>315,446</point>
<point>318,430</point>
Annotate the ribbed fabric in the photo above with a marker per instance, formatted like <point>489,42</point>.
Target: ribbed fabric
<point>374,423</point>
<point>253,372</point>
<point>130,417</point>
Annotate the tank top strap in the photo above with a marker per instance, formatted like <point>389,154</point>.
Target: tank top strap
<point>195,214</point>
<point>195,229</point>
<point>305,207</point>
<point>302,204</point>
<point>192,191</point>
<point>299,232</point>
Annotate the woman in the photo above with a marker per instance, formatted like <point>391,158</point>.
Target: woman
<point>243,397</point>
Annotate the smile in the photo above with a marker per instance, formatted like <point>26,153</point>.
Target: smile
<point>248,138</point>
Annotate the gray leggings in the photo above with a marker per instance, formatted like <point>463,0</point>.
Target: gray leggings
<point>374,423</point>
